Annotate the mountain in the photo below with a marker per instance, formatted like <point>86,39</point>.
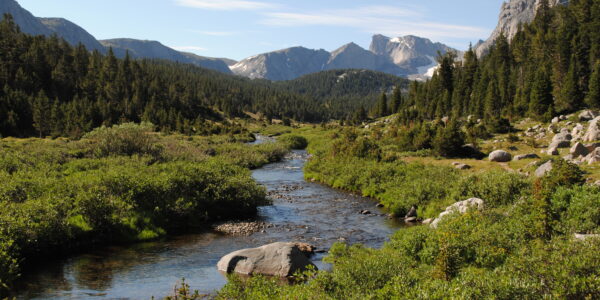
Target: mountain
<point>512,14</point>
<point>72,33</point>
<point>156,50</point>
<point>284,64</point>
<point>27,22</point>
<point>407,56</point>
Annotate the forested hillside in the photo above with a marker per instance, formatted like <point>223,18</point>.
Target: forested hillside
<point>551,66</point>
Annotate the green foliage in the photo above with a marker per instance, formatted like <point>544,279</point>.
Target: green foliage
<point>449,140</point>
<point>294,141</point>
<point>125,139</point>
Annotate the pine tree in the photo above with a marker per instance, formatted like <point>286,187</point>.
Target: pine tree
<point>593,96</point>
<point>396,100</point>
<point>541,95</point>
<point>382,106</point>
<point>41,112</point>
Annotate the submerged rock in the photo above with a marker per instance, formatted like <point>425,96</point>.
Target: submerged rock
<point>277,259</point>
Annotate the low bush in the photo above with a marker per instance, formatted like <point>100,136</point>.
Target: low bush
<point>294,141</point>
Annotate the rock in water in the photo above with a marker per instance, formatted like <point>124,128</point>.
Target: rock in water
<point>277,259</point>
<point>500,156</point>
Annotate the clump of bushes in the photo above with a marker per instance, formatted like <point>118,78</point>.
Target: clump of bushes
<point>294,141</point>
<point>125,139</point>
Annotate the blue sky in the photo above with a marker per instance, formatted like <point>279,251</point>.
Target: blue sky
<point>240,28</point>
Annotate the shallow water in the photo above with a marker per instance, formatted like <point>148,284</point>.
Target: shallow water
<point>301,211</point>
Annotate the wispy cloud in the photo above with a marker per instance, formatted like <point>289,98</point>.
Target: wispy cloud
<point>388,20</point>
<point>189,48</point>
<point>225,4</point>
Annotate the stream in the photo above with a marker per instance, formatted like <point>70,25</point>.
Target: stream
<point>302,211</point>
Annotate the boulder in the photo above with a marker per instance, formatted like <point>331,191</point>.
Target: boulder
<point>577,130</point>
<point>593,157</point>
<point>526,156</point>
<point>500,156</point>
<point>427,221</point>
<point>578,150</point>
<point>583,237</point>
<point>463,167</point>
<point>277,259</point>
<point>459,207</point>
<point>410,220</point>
<point>592,147</point>
<point>552,150</point>
<point>411,213</point>
<point>587,115</point>
<point>593,132</point>
<point>543,169</point>
<point>555,120</point>
<point>561,140</point>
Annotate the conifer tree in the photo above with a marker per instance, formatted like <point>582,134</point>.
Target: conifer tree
<point>41,113</point>
<point>593,96</point>
<point>396,100</point>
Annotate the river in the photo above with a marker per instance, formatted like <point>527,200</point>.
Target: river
<point>301,211</point>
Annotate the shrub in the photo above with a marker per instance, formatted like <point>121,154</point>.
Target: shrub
<point>125,139</point>
<point>294,141</point>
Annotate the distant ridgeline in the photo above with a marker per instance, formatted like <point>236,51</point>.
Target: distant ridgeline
<point>48,87</point>
<point>551,66</point>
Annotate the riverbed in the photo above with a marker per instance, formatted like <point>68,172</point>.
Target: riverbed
<point>302,211</point>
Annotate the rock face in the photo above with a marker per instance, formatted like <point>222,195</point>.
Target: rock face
<point>72,33</point>
<point>513,13</point>
<point>459,207</point>
<point>156,50</point>
<point>402,56</point>
<point>277,259</point>
<point>500,156</point>
<point>593,132</point>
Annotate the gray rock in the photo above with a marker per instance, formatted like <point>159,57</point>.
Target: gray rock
<point>583,237</point>
<point>459,207</point>
<point>561,140</point>
<point>588,115</point>
<point>555,120</point>
<point>593,157</point>
<point>543,169</point>
<point>500,156</point>
<point>427,221</point>
<point>410,220</point>
<point>463,167</point>
<point>578,150</point>
<point>277,259</point>
<point>411,213</point>
<point>526,156</point>
<point>552,150</point>
<point>593,132</point>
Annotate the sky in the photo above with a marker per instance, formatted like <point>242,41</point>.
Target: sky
<point>238,29</point>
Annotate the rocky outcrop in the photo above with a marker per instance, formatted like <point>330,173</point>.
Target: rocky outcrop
<point>277,259</point>
<point>512,14</point>
<point>459,207</point>
<point>588,115</point>
<point>500,156</point>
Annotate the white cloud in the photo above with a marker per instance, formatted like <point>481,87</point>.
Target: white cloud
<point>225,4</point>
<point>388,20</point>
<point>189,48</point>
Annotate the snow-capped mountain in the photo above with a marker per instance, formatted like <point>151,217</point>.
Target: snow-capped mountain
<point>407,56</point>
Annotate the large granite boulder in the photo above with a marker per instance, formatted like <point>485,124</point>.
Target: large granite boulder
<point>459,207</point>
<point>277,259</point>
<point>578,150</point>
<point>587,115</point>
<point>593,132</point>
<point>500,156</point>
<point>561,140</point>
